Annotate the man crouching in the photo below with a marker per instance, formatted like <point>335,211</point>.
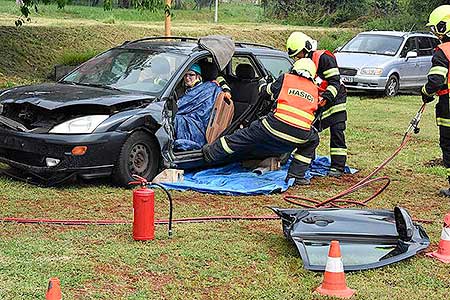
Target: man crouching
<point>286,129</point>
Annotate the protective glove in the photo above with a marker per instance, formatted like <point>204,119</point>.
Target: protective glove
<point>327,96</point>
<point>227,95</point>
<point>322,102</point>
<point>261,85</point>
<point>269,78</point>
<point>426,98</point>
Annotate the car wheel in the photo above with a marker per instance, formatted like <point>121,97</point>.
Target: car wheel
<point>392,86</point>
<point>139,155</point>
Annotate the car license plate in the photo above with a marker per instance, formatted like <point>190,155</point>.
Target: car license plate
<point>346,79</point>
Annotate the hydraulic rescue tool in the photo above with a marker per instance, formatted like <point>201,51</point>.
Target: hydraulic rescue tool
<point>144,209</point>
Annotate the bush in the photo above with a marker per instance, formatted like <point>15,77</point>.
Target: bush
<point>334,40</point>
<point>368,14</point>
<point>315,12</point>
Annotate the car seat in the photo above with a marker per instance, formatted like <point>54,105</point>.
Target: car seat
<point>223,110</point>
<point>221,117</point>
<point>209,71</point>
<point>244,89</point>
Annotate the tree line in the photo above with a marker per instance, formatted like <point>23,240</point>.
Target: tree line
<point>372,14</point>
<point>369,14</point>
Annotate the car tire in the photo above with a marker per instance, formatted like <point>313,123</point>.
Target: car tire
<point>140,155</point>
<point>392,86</point>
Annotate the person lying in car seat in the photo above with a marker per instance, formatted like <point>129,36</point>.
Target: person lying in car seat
<point>194,110</point>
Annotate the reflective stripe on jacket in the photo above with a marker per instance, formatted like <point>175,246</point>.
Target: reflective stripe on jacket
<point>297,102</point>
<point>316,58</point>
<point>445,47</point>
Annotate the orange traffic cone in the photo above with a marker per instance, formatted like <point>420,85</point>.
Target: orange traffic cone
<point>443,251</point>
<point>53,290</point>
<point>334,278</point>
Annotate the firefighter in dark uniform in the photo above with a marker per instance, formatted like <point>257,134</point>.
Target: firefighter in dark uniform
<point>333,113</point>
<point>284,130</point>
<point>438,82</point>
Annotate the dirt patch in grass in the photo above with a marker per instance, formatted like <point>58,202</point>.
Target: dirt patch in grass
<point>264,227</point>
<point>437,162</point>
<point>128,280</point>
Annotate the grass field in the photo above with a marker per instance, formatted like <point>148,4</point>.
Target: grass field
<point>228,13</point>
<point>232,260</point>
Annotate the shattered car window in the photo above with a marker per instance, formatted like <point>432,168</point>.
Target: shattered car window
<point>129,69</point>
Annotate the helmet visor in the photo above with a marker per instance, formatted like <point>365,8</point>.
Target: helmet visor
<point>439,29</point>
<point>292,52</point>
<point>433,29</point>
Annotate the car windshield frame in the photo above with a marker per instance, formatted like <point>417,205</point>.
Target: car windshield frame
<point>147,71</point>
<point>375,40</point>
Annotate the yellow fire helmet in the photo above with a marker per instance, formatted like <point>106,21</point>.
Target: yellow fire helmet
<point>298,41</point>
<point>305,67</point>
<point>439,20</point>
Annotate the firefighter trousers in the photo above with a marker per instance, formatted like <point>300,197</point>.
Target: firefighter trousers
<point>338,148</point>
<point>260,141</point>
<point>444,143</point>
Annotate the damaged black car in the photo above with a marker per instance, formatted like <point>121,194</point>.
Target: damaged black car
<point>114,115</point>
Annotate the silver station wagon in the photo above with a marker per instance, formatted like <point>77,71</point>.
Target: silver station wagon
<point>386,61</point>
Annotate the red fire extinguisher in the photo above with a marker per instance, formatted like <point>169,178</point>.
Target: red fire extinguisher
<point>144,210</point>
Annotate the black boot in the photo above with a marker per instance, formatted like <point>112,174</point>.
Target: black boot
<point>302,181</point>
<point>444,192</point>
<point>335,173</point>
<point>298,180</point>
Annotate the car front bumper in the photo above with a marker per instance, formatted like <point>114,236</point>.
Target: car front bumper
<point>358,82</point>
<point>28,152</point>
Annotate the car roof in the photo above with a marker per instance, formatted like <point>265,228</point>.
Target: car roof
<point>397,33</point>
<point>189,45</point>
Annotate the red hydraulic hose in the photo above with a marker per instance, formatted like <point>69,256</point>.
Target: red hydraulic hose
<point>335,200</point>
<point>160,222</point>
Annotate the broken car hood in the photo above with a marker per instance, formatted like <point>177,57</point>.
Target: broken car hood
<point>56,95</point>
<point>368,238</point>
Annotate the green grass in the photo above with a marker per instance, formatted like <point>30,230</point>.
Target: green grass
<point>76,58</point>
<point>228,13</point>
<point>233,260</point>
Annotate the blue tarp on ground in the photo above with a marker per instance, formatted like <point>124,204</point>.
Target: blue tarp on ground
<point>194,111</point>
<point>233,179</point>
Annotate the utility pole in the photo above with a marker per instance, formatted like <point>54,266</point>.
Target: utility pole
<point>216,11</point>
<point>167,12</point>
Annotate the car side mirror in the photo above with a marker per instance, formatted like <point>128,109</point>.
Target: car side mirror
<point>411,54</point>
